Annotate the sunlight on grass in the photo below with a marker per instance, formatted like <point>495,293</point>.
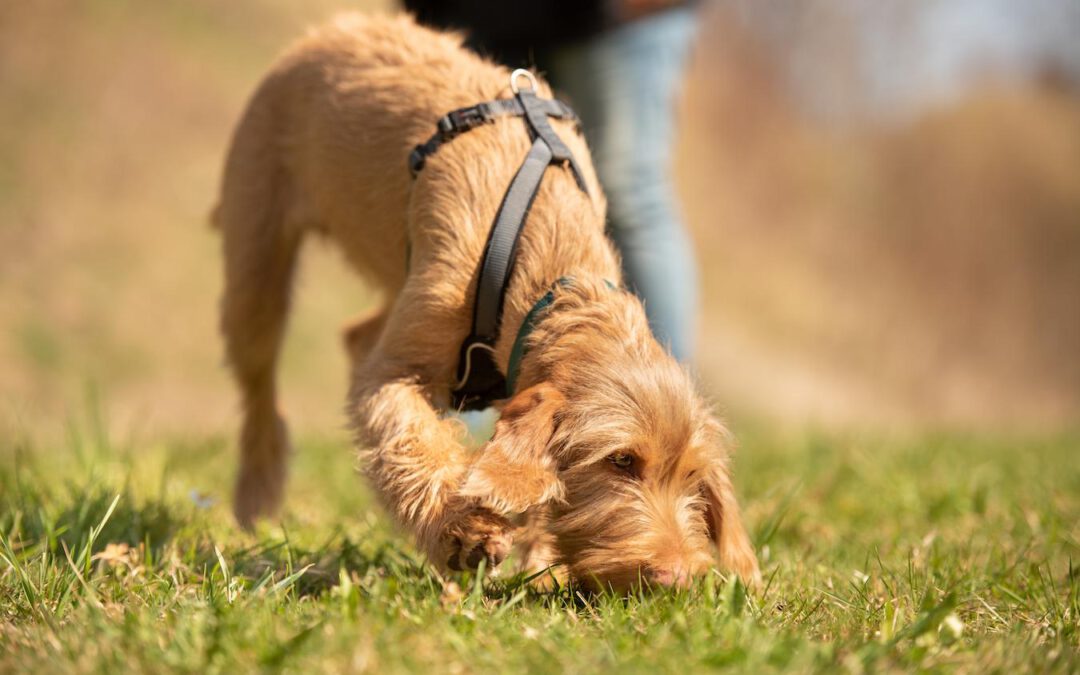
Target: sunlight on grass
<point>886,555</point>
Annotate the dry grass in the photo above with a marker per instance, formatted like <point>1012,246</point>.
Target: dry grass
<point>912,273</point>
<point>919,271</point>
<point>115,119</point>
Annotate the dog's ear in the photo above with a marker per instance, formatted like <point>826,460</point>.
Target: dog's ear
<point>514,470</point>
<point>725,525</point>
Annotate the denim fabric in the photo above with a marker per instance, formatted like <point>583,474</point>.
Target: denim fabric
<point>623,84</point>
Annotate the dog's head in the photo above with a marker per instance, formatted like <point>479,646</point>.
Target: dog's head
<point>630,467</point>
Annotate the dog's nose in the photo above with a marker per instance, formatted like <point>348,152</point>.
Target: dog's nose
<point>673,576</point>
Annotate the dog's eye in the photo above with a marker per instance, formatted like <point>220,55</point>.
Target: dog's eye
<point>623,460</point>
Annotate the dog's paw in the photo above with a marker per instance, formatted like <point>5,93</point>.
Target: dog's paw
<point>264,449</point>
<point>474,534</point>
<point>258,494</point>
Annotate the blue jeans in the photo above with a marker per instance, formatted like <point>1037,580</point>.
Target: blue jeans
<point>623,84</point>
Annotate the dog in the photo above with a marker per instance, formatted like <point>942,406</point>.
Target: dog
<point>605,463</point>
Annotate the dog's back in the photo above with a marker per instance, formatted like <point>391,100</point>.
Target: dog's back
<point>324,141</point>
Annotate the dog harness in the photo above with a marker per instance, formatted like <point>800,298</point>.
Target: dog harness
<point>479,381</point>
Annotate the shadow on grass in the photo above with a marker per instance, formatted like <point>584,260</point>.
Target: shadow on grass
<point>324,566</point>
<point>28,516</point>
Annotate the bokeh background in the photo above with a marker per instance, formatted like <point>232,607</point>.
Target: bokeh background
<point>885,196</point>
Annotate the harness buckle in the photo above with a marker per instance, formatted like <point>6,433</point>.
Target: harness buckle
<point>416,161</point>
<point>468,118</point>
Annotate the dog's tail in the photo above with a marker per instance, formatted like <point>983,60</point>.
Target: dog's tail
<point>260,252</point>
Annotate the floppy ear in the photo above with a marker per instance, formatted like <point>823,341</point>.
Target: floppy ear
<point>514,470</point>
<point>725,525</point>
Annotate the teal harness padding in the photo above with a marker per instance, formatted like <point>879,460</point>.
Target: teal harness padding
<point>517,352</point>
<point>528,325</point>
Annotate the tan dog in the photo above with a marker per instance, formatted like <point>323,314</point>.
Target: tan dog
<point>606,453</point>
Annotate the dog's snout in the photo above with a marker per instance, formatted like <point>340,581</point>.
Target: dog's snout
<point>672,576</point>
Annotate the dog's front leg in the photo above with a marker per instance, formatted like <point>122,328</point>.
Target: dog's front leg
<point>416,463</point>
<point>536,547</point>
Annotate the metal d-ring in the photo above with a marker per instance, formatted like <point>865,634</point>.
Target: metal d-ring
<point>522,72</point>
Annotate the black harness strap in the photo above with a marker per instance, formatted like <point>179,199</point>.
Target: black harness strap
<point>479,380</point>
<point>536,116</point>
<point>502,242</point>
<point>456,122</point>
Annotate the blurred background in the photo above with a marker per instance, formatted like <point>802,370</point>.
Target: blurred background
<point>885,197</point>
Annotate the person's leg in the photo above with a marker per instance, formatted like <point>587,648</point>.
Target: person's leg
<point>623,84</point>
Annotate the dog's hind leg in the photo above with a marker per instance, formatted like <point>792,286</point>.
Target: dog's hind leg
<point>260,251</point>
<point>259,267</point>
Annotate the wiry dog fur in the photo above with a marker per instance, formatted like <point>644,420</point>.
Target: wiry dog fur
<point>322,148</point>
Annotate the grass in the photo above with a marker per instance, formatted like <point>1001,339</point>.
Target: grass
<point>935,552</point>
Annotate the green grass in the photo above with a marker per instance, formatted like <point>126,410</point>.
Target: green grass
<point>935,552</point>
